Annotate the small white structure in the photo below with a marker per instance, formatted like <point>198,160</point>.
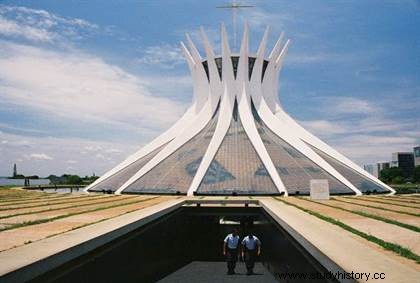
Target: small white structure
<point>236,139</point>
<point>320,189</point>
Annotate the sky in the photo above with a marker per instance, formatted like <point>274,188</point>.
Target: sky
<point>83,84</point>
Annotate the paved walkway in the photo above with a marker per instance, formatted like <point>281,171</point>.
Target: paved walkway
<point>201,271</point>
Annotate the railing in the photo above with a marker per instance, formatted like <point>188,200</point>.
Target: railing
<point>199,202</point>
<point>54,186</point>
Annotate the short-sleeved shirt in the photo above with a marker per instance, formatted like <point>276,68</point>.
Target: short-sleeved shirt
<point>232,241</point>
<point>251,244</point>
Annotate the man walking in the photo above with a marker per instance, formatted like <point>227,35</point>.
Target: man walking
<point>230,250</point>
<point>251,248</point>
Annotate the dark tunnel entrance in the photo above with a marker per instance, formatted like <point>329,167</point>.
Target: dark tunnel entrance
<point>189,234</point>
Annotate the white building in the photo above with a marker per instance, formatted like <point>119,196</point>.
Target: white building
<point>236,139</point>
<point>416,151</point>
<point>372,169</point>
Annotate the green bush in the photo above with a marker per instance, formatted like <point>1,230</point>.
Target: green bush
<point>389,174</point>
<point>416,175</point>
<point>74,180</point>
<point>398,180</point>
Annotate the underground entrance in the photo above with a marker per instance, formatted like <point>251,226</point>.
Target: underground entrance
<point>187,244</point>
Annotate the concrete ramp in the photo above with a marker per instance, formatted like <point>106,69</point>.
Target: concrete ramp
<point>202,271</point>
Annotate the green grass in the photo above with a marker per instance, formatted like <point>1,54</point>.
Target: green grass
<point>404,252</point>
<point>40,221</point>
<point>406,189</point>
<point>369,215</point>
<point>405,186</point>
<point>378,207</point>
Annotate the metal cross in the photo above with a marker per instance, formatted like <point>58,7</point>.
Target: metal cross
<point>234,6</point>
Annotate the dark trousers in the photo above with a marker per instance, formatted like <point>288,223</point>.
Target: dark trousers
<point>249,259</point>
<point>231,258</point>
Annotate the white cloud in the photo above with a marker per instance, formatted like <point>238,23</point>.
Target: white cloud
<point>163,56</point>
<point>326,128</point>
<point>259,18</point>
<point>113,150</point>
<point>40,156</point>
<point>369,148</point>
<point>100,156</point>
<point>93,148</point>
<point>351,105</point>
<point>12,28</point>
<point>80,86</point>
<point>40,25</point>
<point>20,129</point>
<point>36,152</point>
<point>366,138</point>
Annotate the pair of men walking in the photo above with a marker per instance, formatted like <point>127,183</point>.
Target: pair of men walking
<point>250,249</point>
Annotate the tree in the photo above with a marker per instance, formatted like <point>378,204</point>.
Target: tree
<point>74,180</point>
<point>397,180</point>
<point>416,174</point>
<point>389,174</point>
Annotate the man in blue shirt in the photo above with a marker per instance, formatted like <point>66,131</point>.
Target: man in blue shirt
<point>251,248</point>
<point>230,250</point>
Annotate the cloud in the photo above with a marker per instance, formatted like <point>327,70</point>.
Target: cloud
<point>82,87</point>
<point>351,105</point>
<point>32,155</point>
<point>213,34</point>
<point>327,128</point>
<point>40,25</point>
<point>369,148</point>
<point>40,156</point>
<point>363,130</point>
<point>11,28</point>
<point>259,18</point>
<point>163,56</point>
<point>113,150</point>
<point>20,129</point>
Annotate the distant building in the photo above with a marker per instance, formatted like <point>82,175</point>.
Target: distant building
<point>372,169</point>
<point>383,165</point>
<point>405,161</point>
<point>417,156</point>
<point>14,171</point>
<point>375,169</point>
